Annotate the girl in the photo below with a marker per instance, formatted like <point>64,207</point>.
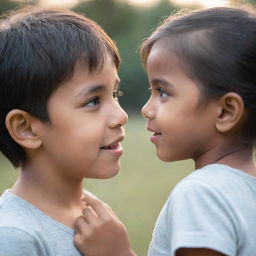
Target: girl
<point>201,68</point>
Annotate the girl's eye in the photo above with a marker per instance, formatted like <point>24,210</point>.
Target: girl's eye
<point>162,93</point>
<point>93,102</point>
<point>117,94</point>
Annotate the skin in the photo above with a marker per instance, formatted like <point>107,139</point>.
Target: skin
<point>84,117</point>
<point>182,128</point>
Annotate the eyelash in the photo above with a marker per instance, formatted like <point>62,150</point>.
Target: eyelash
<point>162,92</point>
<point>95,100</point>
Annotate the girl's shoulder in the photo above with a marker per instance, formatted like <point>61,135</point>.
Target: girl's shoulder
<point>216,181</point>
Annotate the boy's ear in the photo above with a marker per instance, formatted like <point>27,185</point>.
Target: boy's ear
<point>230,112</point>
<point>21,127</point>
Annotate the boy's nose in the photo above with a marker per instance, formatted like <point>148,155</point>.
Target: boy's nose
<point>118,117</point>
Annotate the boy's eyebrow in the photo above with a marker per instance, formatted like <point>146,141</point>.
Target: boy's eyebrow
<point>95,88</point>
<point>158,81</point>
<point>92,89</point>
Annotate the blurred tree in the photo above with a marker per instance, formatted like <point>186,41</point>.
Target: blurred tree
<point>251,3</point>
<point>6,5</point>
<point>114,17</point>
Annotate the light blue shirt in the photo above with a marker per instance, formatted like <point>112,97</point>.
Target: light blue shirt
<point>214,207</point>
<point>26,231</point>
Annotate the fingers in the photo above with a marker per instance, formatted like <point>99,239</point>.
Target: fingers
<point>99,232</point>
<point>81,232</point>
<point>89,217</point>
<point>110,210</point>
<point>81,224</point>
<point>102,210</point>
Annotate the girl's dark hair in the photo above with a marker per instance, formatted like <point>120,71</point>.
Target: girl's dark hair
<point>39,49</point>
<point>216,48</point>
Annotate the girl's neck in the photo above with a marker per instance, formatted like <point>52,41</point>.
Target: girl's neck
<point>239,157</point>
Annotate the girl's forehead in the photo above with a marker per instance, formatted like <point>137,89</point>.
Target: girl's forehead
<point>161,56</point>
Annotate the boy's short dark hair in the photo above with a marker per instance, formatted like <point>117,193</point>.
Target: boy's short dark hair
<point>39,49</point>
<point>217,49</point>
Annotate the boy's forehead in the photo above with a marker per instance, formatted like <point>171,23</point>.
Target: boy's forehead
<point>83,65</point>
<point>86,80</point>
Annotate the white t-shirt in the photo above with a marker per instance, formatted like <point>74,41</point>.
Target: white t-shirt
<point>215,208</point>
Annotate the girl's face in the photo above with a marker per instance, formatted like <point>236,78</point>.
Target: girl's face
<point>181,128</point>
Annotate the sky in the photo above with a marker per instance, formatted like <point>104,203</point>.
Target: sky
<point>205,3</point>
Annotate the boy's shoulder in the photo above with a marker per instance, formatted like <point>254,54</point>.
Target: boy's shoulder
<point>17,228</point>
<point>15,212</point>
<point>25,229</point>
<point>13,208</point>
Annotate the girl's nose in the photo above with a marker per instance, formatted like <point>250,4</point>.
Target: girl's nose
<point>147,111</point>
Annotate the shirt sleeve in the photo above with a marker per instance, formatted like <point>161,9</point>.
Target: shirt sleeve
<point>200,216</point>
<point>15,242</point>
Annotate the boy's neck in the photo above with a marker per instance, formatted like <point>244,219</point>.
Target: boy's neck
<point>59,198</point>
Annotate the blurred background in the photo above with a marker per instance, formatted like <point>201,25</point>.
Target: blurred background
<point>139,191</point>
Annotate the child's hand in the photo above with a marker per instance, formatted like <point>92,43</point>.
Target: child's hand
<point>100,233</point>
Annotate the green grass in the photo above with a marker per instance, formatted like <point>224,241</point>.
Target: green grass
<point>138,192</point>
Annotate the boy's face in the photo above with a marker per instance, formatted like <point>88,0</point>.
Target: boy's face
<point>83,136</point>
<point>181,127</point>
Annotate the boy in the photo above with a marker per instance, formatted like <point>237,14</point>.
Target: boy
<point>60,122</point>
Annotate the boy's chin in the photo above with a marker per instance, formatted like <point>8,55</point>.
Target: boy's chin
<point>108,174</point>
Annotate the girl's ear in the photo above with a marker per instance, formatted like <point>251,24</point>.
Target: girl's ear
<point>22,128</point>
<point>230,112</point>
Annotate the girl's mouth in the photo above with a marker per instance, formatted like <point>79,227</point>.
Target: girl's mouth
<point>155,137</point>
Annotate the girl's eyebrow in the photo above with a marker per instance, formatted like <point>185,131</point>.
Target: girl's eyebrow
<point>161,82</point>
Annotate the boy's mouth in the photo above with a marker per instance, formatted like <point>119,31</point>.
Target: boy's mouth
<point>112,146</point>
<point>115,145</point>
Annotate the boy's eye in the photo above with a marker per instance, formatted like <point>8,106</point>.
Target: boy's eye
<point>117,94</point>
<point>162,92</point>
<point>93,102</point>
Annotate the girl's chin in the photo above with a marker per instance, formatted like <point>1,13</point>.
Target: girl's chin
<point>165,157</point>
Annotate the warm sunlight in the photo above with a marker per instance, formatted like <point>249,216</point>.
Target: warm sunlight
<point>143,2</point>
<point>205,3</point>
<point>61,3</point>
